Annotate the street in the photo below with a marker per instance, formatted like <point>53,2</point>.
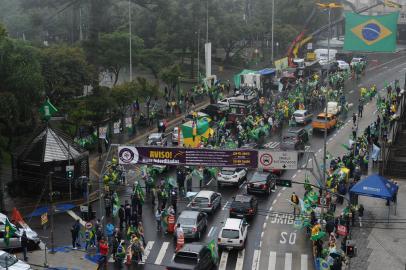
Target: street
<point>273,242</point>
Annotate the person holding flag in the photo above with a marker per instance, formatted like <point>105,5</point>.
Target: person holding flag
<point>212,246</point>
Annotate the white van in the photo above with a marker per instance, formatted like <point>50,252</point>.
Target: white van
<point>322,55</point>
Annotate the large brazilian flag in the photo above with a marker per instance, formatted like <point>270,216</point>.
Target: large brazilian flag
<point>370,33</point>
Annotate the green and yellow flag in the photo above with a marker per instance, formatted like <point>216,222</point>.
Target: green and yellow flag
<point>370,33</point>
<point>212,245</point>
<point>9,231</point>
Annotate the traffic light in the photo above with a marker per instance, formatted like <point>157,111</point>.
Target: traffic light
<point>350,248</point>
<point>69,174</point>
<point>284,182</point>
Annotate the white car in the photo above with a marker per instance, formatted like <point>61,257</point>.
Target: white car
<point>233,176</point>
<point>15,240</point>
<point>206,201</point>
<point>357,60</point>
<point>342,65</point>
<point>233,234</point>
<point>158,139</point>
<point>10,262</point>
<point>302,116</point>
<point>226,101</point>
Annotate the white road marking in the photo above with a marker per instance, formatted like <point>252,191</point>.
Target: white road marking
<point>223,260</point>
<point>272,261</point>
<point>284,188</point>
<point>225,206</point>
<point>211,230</point>
<point>274,201</point>
<point>260,244</point>
<point>209,182</point>
<point>319,150</point>
<point>294,175</point>
<point>240,260</point>
<point>264,226</point>
<point>310,159</point>
<point>262,235</point>
<point>352,91</point>
<point>303,262</point>
<point>76,217</point>
<point>266,218</point>
<point>270,208</point>
<point>288,261</point>
<point>161,253</point>
<point>255,260</point>
<point>147,250</point>
<point>299,171</point>
<point>279,194</point>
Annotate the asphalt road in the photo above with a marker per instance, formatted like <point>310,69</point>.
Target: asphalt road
<point>272,243</point>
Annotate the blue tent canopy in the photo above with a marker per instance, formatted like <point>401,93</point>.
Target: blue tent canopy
<point>63,207</point>
<point>266,71</point>
<point>375,186</point>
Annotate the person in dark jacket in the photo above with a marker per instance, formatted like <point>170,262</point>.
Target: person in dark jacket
<point>121,216</point>
<point>75,234</point>
<point>127,212</point>
<point>24,244</point>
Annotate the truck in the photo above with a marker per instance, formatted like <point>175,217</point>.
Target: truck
<point>323,122</point>
<point>333,108</point>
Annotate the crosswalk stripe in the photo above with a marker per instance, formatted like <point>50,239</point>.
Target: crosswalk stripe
<point>161,253</point>
<point>223,260</point>
<point>272,261</point>
<point>147,250</point>
<point>240,260</point>
<point>255,260</point>
<point>288,261</point>
<point>303,262</point>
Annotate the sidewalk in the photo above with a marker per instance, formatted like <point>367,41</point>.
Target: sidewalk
<point>63,258</point>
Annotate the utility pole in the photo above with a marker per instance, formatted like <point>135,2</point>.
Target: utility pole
<point>130,34</point>
<point>80,24</point>
<point>198,54</point>
<point>2,208</point>
<point>51,209</point>
<point>207,21</point>
<point>273,17</point>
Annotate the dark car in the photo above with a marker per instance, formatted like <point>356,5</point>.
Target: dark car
<point>157,139</point>
<point>215,111</point>
<point>196,256</point>
<point>244,206</point>
<point>262,182</point>
<point>295,139</point>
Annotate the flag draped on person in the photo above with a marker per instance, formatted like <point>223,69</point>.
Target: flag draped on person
<point>370,33</point>
<point>212,245</point>
<point>139,192</point>
<point>9,231</point>
<point>116,204</point>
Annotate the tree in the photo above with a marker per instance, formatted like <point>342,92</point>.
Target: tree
<point>113,52</point>
<point>155,60</point>
<point>232,30</point>
<point>171,75</point>
<point>65,72</point>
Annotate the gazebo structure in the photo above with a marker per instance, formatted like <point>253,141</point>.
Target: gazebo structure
<point>49,151</point>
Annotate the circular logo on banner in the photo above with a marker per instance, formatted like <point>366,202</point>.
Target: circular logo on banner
<point>266,159</point>
<point>128,155</point>
<point>88,225</point>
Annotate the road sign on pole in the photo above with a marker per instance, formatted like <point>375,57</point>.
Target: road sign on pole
<point>280,160</point>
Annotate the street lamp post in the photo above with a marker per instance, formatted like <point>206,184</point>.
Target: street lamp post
<point>130,35</point>
<point>272,19</point>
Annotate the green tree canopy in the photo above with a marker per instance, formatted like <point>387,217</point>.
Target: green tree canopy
<point>65,72</point>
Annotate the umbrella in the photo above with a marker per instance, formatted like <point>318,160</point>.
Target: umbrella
<point>318,236</point>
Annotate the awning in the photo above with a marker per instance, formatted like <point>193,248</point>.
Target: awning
<point>375,186</point>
